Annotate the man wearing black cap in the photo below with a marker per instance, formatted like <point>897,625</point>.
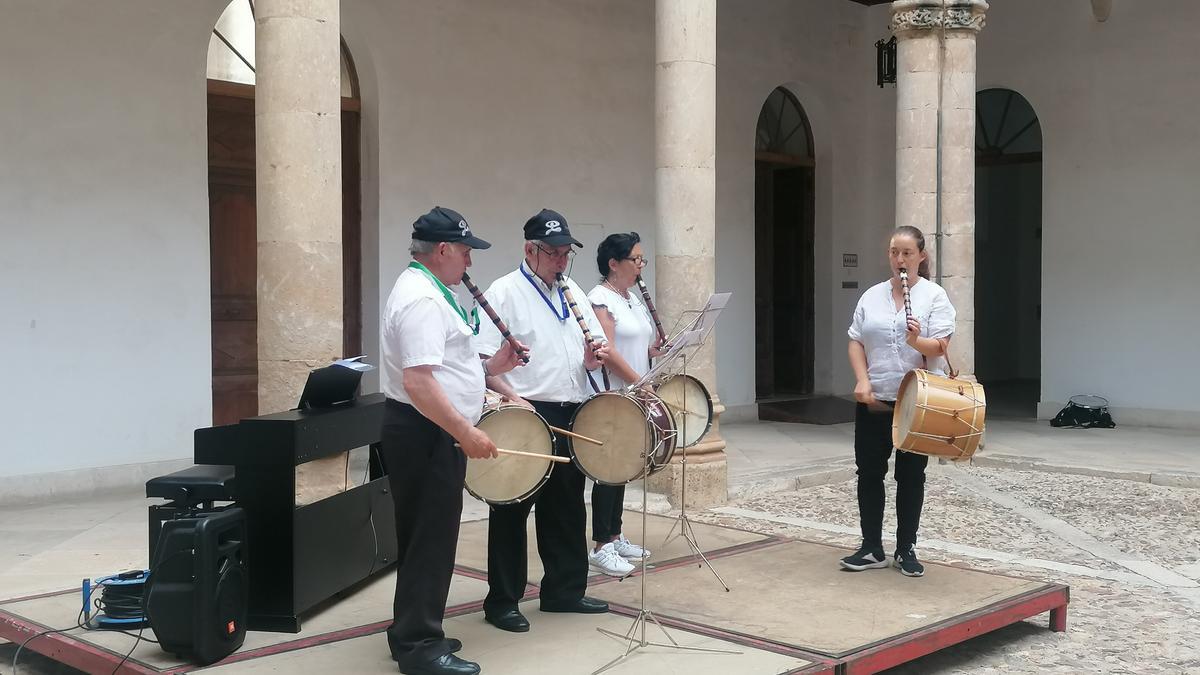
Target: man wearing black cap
<point>434,382</point>
<point>532,304</point>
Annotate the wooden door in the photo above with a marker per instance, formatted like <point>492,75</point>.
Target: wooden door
<point>233,245</point>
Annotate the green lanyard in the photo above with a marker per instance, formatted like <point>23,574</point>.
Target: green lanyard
<point>473,322</point>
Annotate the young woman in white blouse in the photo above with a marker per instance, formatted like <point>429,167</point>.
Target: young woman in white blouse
<point>884,346</point>
<point>630,330</point>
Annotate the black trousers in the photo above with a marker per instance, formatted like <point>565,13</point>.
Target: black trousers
<point>560,523</point>
<point>426,474</point>
<point>608,501</point>
<point>872,448</point>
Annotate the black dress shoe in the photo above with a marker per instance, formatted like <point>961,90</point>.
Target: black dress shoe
<point>580,606</point>
<point>447,664</point>
<point>511,620</point>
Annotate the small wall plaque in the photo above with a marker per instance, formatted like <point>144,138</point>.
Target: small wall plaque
<point>849,284</point>
<point>849,260</point>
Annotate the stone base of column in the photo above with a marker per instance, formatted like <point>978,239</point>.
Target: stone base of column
<point>707,471</point>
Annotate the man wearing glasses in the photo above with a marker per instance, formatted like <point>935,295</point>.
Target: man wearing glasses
<point>532,303</point>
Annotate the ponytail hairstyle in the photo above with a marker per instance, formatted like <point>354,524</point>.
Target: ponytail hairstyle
<point>910,231</point>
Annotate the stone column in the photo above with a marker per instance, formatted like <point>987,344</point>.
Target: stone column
<point>935,52</point>
<point>299,193</point>
<point>685,209</point>
<point>299,196</point>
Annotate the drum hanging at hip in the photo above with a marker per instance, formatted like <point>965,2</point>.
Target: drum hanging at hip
<point>637,433</point>
<point>691,407</point>
<point>938,416</point>
<point>508,479</point>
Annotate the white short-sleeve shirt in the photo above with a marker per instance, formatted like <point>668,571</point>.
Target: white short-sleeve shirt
<point>882,329</point>
<point>421,329</point>
<point>633,329</point>
<point>533,313</point>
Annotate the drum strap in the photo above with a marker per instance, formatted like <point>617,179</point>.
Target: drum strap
<point>950,371</point>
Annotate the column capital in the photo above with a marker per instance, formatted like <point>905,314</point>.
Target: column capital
<point>926,15</point>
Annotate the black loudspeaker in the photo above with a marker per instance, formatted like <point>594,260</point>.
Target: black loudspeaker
<point>197,591</point>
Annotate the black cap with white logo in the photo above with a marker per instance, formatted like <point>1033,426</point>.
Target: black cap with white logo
<point>550,227</point>
<point>442,224</point>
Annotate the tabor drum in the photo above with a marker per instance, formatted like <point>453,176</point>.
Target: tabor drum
<point>938,416</point>
<point>690,405</point>
<point>511,478</point>
<point>637,432</point>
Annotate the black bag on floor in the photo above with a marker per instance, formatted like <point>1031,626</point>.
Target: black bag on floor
<point>1086,412</point>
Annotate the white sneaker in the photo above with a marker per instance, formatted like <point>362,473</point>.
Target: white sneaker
<point>607,561</point>
<point>629,550</point>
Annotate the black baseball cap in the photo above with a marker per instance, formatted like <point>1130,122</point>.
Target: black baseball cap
<point>550,227</point>
<point>442,224</point>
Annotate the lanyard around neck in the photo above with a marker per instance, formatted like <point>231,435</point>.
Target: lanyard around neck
<point>473,322</point>
<point>561,297</point>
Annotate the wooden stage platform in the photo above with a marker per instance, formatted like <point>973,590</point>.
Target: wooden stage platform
<point>790,610</point>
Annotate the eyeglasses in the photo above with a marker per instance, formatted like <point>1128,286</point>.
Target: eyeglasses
<point>639,260</point>
<point>567,254</point>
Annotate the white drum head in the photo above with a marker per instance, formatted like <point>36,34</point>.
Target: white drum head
<point>511,478</point>
<point>690,406</point>
<point>620,423</point>
<point>906,408</point>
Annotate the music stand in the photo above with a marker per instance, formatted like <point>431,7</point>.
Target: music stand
<point>333,386</point>
<point>631,638</point>
<point>706,317</point>
<point>691,337</point>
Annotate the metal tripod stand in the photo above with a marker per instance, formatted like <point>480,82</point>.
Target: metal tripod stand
<point>635,637</point>
<point>682,522</point>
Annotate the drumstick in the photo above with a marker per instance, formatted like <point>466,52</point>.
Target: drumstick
<point>521,453</point>
<point>680,408</point>
<point>572,434</point>
<point>478,295</point>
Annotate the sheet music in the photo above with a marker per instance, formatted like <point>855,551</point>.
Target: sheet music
<point>678,344</point>
<point>355,363</point>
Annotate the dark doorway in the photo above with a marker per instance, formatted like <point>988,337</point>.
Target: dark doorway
<point>1008,252</point>
<point>783,230</point>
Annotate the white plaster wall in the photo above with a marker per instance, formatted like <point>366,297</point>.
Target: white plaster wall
<point>1117,104</point>
<point>104,307</point>
<point>823,52</point>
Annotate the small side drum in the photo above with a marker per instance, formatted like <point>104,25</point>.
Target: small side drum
<point>938,416</point>
<point>511,478</point>
<point>632,426</point>
<point>690,404</point>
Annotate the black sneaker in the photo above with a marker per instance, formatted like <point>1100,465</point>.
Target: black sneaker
<point>865,559</point>
<point>906,562</point>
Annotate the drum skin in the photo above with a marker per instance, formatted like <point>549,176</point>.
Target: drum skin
<point>684,392</point>
<point>939,416</point>
<point>631,427</point>
<point>510,478</point>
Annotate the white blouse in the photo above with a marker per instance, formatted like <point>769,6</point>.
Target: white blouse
<point>633,332</point>
<point>882,329</point>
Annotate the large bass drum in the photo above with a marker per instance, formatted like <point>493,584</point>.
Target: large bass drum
<point>637,431</point>
<point>511,478</point>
